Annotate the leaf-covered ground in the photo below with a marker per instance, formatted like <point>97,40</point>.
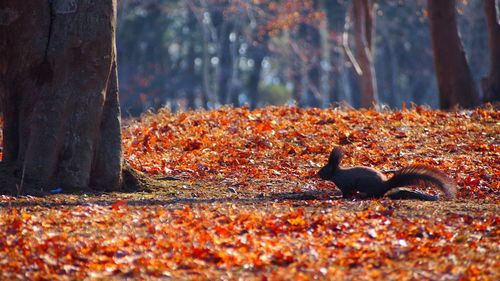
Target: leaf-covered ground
<point>248,203</point>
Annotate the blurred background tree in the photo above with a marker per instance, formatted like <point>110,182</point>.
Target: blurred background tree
<point>207,53</point>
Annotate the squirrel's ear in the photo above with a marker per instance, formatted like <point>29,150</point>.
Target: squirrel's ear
<point>335,156</point>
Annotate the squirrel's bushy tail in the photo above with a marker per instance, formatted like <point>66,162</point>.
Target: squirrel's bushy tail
<point>422,174</point>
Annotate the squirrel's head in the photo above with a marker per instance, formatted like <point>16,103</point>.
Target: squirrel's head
<point>326,173</point>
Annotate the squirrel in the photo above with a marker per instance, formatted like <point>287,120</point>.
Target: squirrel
<point>374,184</point>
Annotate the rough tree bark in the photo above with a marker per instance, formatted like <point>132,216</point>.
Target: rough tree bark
<point>59,92</point>
<point>364,27</point>
<point>455,81</point>
<point>491,83</point>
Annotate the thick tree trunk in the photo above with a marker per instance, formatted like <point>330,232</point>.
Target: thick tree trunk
<point>364,26</point>
<point>455,82</point>
<point>60,92</point>
<point>491,84</point>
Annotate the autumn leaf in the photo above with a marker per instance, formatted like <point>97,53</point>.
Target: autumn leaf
<point>283,222</point>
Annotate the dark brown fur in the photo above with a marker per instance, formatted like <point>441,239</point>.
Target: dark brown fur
<point>372,183</point>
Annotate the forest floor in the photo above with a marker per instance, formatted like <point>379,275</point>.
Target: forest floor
<point>242,199</point>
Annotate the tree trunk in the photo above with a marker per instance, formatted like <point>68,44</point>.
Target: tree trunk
<point>455,82</point>
<point>491,84</point>
<point>364,26</point>
<point>222,28</point>
<point>311,39</point>
<point>225,62</point>
<point>326,60</point>
<point>300,83</point>
<point>191,83</point>
<point>234,81</point>
<point>207,92</point>
<point>336,15</point>
<point>59,92</point>
<point>191,77</point>
<point>257,51</point>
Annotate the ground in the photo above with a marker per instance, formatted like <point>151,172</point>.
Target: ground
<point>237,196</point>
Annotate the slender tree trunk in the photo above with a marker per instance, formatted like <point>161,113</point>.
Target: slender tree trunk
<point>191,81</point>
<point>364,26</point>
<point>254,79</point>
<point>296,77</point>
<point>225,62</point>
<point>59,92</point>
<point>258,51</point>
<point>234,81</point>
<point>311,37</point>
<point>491,84</point>
<point>206,93</point>
<point>336,15</point>
<point>298,73</point>
<point>393,69</point>
<point>455,81</point>
<point>221,30</point>
<point>325,62</point>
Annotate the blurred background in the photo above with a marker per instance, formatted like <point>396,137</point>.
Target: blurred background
<point>207,53</point>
